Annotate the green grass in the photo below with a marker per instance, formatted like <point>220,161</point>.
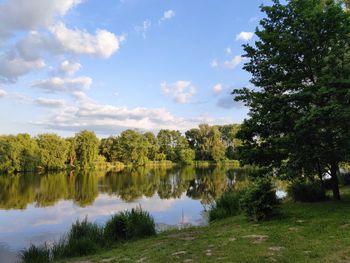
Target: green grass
<point>305,232</point>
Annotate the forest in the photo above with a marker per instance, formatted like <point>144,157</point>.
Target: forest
<point>50,152</point>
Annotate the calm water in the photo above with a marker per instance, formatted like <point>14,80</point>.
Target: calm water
<point>36,208</point>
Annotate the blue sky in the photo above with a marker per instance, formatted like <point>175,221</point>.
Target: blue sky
<point>68,65</point>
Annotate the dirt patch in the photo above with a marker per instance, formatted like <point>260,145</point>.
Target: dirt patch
<point>345,226</point>
<point>276,248</point>
<point>293,229</point>
<point>106,260</point>
<point>256,239</point>
<point>184,236</point>
<point>179,253</point>
<point>232,239</point>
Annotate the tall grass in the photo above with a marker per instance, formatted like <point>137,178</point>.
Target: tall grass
<point>36,254</point>
<point>227,205</point>
<point>129,225</point>
<point>85,237</point>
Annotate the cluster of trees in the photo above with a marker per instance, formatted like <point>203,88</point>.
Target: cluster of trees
<point>299,121</point>
<point>49,152</point>
<point>210,143</point>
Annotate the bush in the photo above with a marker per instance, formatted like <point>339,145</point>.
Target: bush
<point>35,254</point>
<point>259,201</point>
<point>306,191</point>
<point>129,225</point>
<point>227,205</point>
<point>344,178</point>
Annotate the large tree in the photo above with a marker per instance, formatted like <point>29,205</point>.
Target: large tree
<point>53,151</point>
<point>131,147</point>
<point>86,144</point>
<point>300,106</point>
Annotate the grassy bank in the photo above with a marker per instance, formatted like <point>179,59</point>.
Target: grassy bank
<point>305,232</point>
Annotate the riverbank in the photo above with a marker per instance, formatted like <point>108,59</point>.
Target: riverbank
<point>305,232</point>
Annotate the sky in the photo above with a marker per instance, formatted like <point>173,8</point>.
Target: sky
<point>111,65</point>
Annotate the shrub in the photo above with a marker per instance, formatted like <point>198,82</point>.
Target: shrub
<point>35,254</point>
<point>129,225</point>
<point>259,201</point>
<point>227,205</point>
<point>344,178</point>
<point>306,191</point>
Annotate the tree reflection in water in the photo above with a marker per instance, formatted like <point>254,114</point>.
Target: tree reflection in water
<point>204,184</point>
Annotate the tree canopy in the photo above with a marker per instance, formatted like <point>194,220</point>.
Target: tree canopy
<point>299,119</point>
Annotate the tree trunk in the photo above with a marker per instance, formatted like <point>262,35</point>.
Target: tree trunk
<point>335,183</point>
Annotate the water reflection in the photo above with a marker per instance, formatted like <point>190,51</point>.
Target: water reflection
<point>17,191</point>
<point>35,208</point>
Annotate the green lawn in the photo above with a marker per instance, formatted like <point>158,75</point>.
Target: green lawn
<point>305,232</point>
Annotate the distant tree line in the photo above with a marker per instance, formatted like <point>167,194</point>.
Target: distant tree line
<point>50,152</point>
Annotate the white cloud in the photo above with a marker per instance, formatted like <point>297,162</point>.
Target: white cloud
<point>103,44</point>
<point>181,91</point>
<point>50,103</point>
<point>168,14</point>
<point>24,15</point>
<point>234,62</point>
<point>245,36</point>
<point>144,28</point>
<point>214,63</point>
<point>228,51</point>
<point>69,67</point>
<point>109,119</point>
<point>2,93</point>
<point>34,44</point>
<point>12,66</point>
<point>69,85</point>
<point>217,88</point>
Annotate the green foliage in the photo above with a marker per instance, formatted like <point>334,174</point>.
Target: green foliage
<point>259,201</point>
<point>129,225</point>
<point>106,148</point>
<point>86,144</point>
<point>160,157</point>
<point>85,238</point>
<point>306,191</point>
<point>18,153</point>
<point>227,205</point>
<point>35,254</point>
<point>171,143</point>
<point>187,156</point>
<point>300,111</point>
<point>153,146</point>
<point>49,152</point>
<point>53,152</point>
<point>207,143</point>
<point>131,147</point>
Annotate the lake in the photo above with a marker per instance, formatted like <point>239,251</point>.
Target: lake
<point>38,208</point>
